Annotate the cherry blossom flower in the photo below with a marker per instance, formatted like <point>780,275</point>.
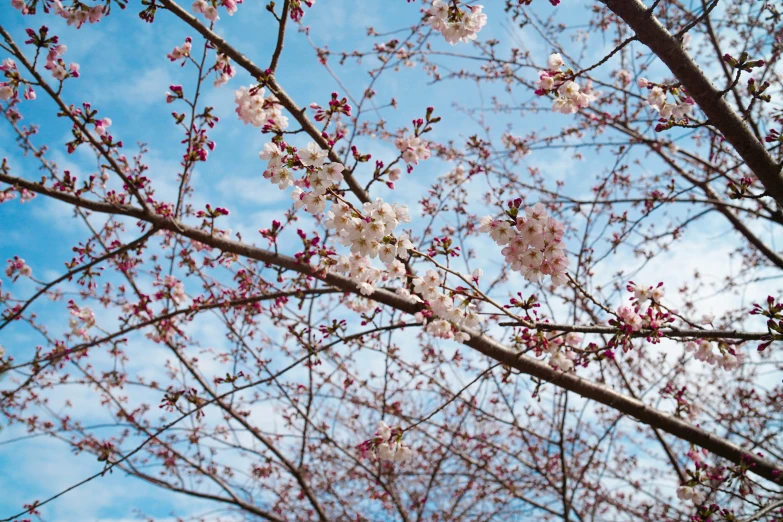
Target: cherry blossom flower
<point>657,99</point>
<point>6,91</point>
<point>555,62</point>
<point>102,126</point>
<point>207,9</point>
<point>569,97</point>
<point>692,494</point>
<point>534,247</point>
<point>413,149</point>
<point>78,14</point>
<point>82,319</point>
<point>455,24</point>
<point>629,316</point>
<point>257,110</point>
<point>312,155</point>
<point>172,287</point>
<point>225,71</point>
<point>562,361</point>
<point>703,351</point>
<point>17,265</point>
<point>182,52</point>
<point>387,445</point>
<point>56,65</point>
<point>20,5</point>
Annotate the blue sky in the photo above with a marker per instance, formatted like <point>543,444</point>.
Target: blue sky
<point>125,74</point>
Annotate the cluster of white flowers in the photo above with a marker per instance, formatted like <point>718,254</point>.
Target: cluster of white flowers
<point>630,317</point>
<point>82,319</point>
<point>449,314</point>
<point>413,149</point>
<point>56,65</point>
<point>224,70</point>
<point>368,233</point>
<point>704,352</point>
<point>259,111</point>
<point>560,347</point>
<point>624,77</point>
<point>173,287</point>
<point>569,97</point>
<point>2,352</point>
<point>77,17</point>
<point>692,494</point>
<point>534,247</point>
<point>368,238</point>
<point>318,177</point>
<point>18,265</point>
<point>180,53</point>
<point>656,99</point>
<point>642,294</point>
<point>102,126</point>
<point>455,24</point>
<point>360,269</point>
<point>7,90</point>
<point>372,234</point>
<point>209,11</point>
<point>387,449</point>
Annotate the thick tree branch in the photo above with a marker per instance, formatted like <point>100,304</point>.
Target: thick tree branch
<point>483,344</point>
<point>651,33</point>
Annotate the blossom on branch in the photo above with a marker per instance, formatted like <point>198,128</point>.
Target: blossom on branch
<point>568,96</point>
<point>455,24</point>
<point>258,110</point>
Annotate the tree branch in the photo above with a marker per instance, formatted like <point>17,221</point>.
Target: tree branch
<point>651,33</point>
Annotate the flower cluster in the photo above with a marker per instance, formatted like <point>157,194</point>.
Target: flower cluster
<point>17,265</point>
<point>642,294</point>
<point>319,176</point>
<point>644,313</point>
<point>360,269</point>
<point>387,444</point>
<point>8,89</point>
<point>569,97</point>
<point>368,233</point>
<point>562,356</point>
<point>450,314</point>
<point>692,494</point>
<point>630,318</point>
<point>259,111</point>
<point>223,69</point>
<point>657,97</point>
<point>82,319</point>
<point>455,24</point>
<point>56,64</point>
<point>371,232</point>
<point>182,52</point>
<point>171,287</point>
<point>77,15</point>
<point>533,242</point>
<point>413,149</point>
<point>102,126</point>
<point>726,358</point>
<point>209,8</point>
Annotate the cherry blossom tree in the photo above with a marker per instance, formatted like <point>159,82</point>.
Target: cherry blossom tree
<point>553,300</point>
